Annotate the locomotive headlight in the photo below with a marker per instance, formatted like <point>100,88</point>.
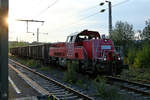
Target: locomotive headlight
<point>105,40</point>
<point>119,58</point>
<point>104,59</point>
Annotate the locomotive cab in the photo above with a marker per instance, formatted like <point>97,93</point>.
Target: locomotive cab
<point>86,35</point>
<point>82,36</point>
<point>76,44</point>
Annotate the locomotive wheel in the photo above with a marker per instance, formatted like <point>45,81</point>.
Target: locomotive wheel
<point>81,69</point>
<point>95,72</point>
<point>114,69</point>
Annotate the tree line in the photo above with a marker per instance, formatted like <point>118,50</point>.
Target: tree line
<point>136,44</point>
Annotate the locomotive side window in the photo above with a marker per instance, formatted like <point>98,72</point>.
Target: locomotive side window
<point>82,37</point>
<point>74,38</point>
<point>70,39</point>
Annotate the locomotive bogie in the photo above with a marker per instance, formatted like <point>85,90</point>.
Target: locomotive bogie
<point>62,62</point>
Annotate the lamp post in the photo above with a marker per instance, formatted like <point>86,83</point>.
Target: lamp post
<point>109,16</point>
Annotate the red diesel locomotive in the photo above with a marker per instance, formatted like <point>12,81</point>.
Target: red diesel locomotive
<point>91,52</point>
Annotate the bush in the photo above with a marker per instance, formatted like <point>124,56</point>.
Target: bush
<point>131,55</point>
<point>142,59</point>
<point>71,74</point>
<point>32,63</point>
<point>45,68</point>
<point>106,91</point>
<point>135,74</point>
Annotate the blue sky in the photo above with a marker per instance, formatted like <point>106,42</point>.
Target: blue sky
<point>64,17</point>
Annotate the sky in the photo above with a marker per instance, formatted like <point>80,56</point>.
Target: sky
<point>63,17</point>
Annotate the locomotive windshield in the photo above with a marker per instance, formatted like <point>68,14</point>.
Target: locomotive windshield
<point>84,35</point>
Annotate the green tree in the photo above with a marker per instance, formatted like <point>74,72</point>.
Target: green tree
<point>13,44</point>
<point>131,55</point>
<point>142,59</point>
<point>123,35</point>
<point>145,35</point>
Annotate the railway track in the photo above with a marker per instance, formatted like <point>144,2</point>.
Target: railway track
<point>55,90</point>
<point>134,87</point>
<point>147,82</point>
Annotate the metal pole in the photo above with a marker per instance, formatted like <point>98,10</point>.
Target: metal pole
<point>30,21</point>
<point>37,34</point>
<point>110,18</point>
<point>3,50</point>
<point>27,27</point>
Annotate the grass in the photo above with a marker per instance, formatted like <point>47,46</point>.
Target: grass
<point>71,74</point>
<point>106,91</point>
<point>45,69</point>
<point>28,62</point>
<point>32,63</point>
<point>82,84</point>
<point>135,74</point>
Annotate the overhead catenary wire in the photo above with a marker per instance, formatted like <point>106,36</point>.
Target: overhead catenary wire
<point>81,19</point>
<point>106,8</point>
<point>44,10</point>
<point>84,18</point>
<point>120,3</point>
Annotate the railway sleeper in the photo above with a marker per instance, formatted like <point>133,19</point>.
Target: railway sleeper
<point>54,86</point>
<point>146,97</point>
<point>46,85</point>
<point>135,87</point>
<point>58,90</point>
<point>136,90</point>
<point>137,95</point>
<point>45,82</point>
<point>70,98</point>
<point>146,90</point>
<point>143,89</point>
<point>80,99</point>
<point>59,93</point>
<point>64,95</point>
<point>50,89</point>
<point>54,91</point>
<point>132,86</point>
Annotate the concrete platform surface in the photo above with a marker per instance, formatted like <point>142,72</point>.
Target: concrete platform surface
<point>18,88</point>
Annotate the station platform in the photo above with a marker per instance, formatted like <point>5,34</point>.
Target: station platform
<point>19,89</point>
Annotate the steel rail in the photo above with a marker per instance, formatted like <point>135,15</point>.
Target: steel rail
<point>144,81</point>
<point>132,86</point>
<point>85,97</point>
